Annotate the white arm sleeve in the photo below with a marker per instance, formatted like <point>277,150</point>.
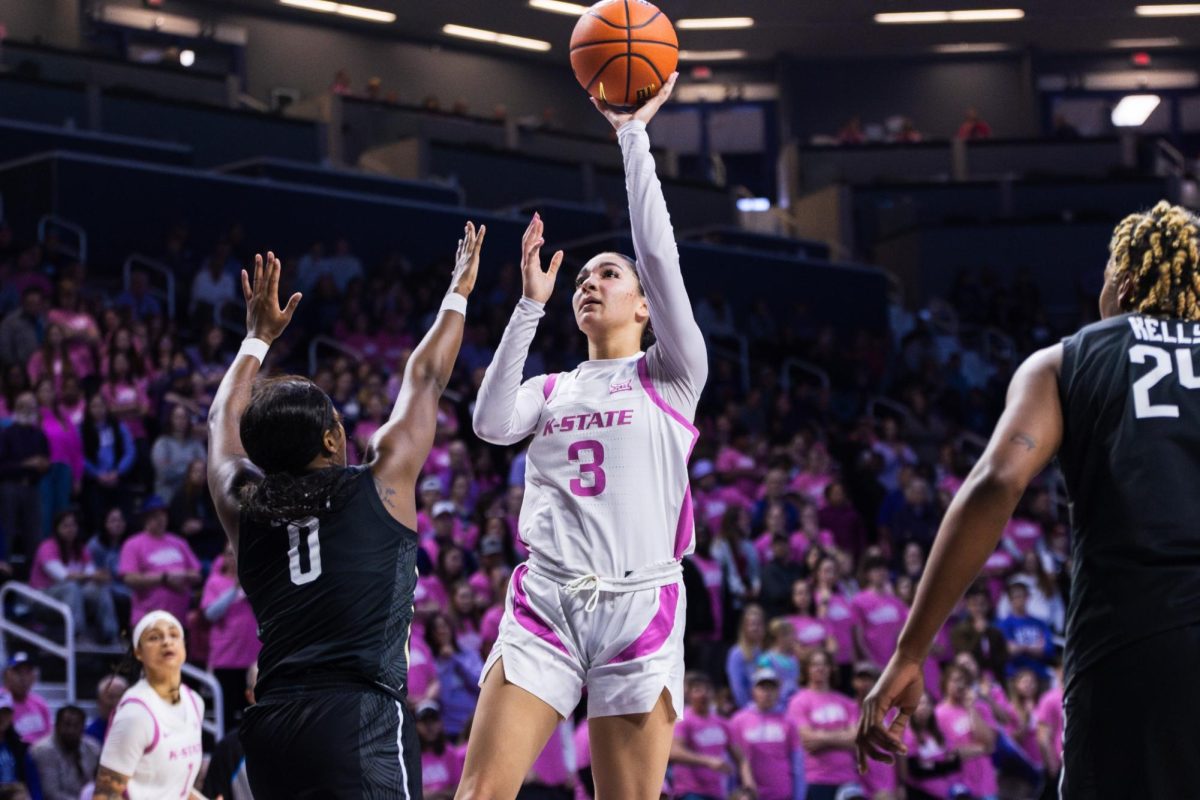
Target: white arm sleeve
<point>506,410</point>
<point>677,361</point>
<point>131,732</point>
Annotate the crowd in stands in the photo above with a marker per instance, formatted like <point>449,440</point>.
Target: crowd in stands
<point>814,513</point>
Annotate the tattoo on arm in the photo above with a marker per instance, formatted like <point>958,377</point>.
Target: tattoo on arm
<point>386,493</point>
<point>110,785</point>
<point>1024,439</point>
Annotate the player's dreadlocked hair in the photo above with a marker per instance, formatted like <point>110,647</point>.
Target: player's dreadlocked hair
<point>283,430</point>
<point>1159,250</point>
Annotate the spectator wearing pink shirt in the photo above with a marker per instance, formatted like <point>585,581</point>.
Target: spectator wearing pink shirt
<point>736,465</point>
<point>880,780</point>
<point>31,712</point>
<point>57,358</point>
<point>833,606</point>
<point>159,567</point>
<point>63,569</point>
<point>422,670</point>
<point>878,614</point>
<point>711,500</point>
<point>233,639</point>
<point>124,389</point>
<point>1023,696</point>
<point>441,761</point>
<point>1049,717</point>
<point>815,478</point>
<point>969,732</point>
<point>930,767</point>
<point>552,776</point>
<point>703,753</point>
<point>812,632</point>
<point>714,583</point>
<point>464,614</point>
<point>773,765</point>
<point>66,452</point>
<point>825,720</point>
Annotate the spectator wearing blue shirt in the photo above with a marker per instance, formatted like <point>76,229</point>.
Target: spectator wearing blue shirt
<point>458,674</point>
<point>1030,640</point>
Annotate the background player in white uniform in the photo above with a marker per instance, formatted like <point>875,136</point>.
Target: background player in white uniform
<point>153,750</point>
<point>607,511</point>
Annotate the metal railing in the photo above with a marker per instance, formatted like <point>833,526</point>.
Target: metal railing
<point>51,222</point>
<point>217,725</point>
<point>805,367</point>
<point>314,348</point>
<point>893,407</point>
<point>64,651</point>
<point>167,295</point>
<point>740,355</point>
<point>68,651</point>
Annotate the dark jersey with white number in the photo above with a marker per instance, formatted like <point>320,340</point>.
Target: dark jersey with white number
<point>1130,389</point>
<point>333,595</point>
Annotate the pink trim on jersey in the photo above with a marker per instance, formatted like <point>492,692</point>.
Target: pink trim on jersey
<point>548,386</point>
<point>154,719</point>
<point>684,529</point>
<point>659,629</point>
<point>525,615</point>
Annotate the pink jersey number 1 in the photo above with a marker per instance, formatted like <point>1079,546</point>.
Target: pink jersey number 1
<point>578,487</point>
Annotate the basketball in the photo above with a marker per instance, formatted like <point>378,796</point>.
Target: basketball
<point>623,51</point>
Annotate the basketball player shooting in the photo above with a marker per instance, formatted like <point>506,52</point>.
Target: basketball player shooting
<point>607,511</point>
<point>327,553</point>
<point>1117,403</point>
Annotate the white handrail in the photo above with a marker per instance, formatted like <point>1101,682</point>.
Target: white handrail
<point>64,651</point>
<point>81,246</point>
<point>897,408</point>
<point>167,295</point>
<point>742,355</point>
<point>217,726</point>
<point>332,344</point>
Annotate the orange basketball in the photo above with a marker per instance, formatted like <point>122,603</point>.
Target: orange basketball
<point>623,51</point>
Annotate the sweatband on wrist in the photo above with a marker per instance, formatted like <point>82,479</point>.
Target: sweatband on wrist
<point>254,347</point>
<point>455,302</point>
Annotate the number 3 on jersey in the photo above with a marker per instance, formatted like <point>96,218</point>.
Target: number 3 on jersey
<point>1163,366</point>
<point>303,535</point>
<point>589,469</point>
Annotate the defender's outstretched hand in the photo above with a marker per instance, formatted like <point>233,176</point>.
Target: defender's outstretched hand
<point>265,320</point>
<point>466,260</point>
<point>536,283</point>
<point>645,112</point>
<point>900,686</point>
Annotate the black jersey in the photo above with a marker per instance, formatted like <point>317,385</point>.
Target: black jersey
<point>333,595</point>
<point>1130,389</point>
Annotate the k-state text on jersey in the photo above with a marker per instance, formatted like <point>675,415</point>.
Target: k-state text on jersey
<point>587,422</point>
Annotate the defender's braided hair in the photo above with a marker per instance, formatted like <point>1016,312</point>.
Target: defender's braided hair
<point>1159,250</point>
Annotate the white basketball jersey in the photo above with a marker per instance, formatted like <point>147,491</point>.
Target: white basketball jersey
<point>156,743</point>
<point>606,483</point>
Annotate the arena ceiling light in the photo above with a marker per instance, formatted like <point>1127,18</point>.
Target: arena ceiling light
<point>973,47</point>
<point>965,15</point>
<point>1134,110</point>
<point>1141,44</point>
<point>714,23</point>
<point>345,9</point>
<point>558,7</point>
<point>1177,10</point>
<point>711,55</point>
<point>506,39</point>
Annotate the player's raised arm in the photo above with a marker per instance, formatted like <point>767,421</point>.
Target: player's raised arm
<point>399,448</point>
<point>506,411</point>
<point>679,342</point>
<point>228,466</point>
<point>1026,438</point>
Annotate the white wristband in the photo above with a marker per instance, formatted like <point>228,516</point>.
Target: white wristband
<point>254,347</point>
<point>455,302</point>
